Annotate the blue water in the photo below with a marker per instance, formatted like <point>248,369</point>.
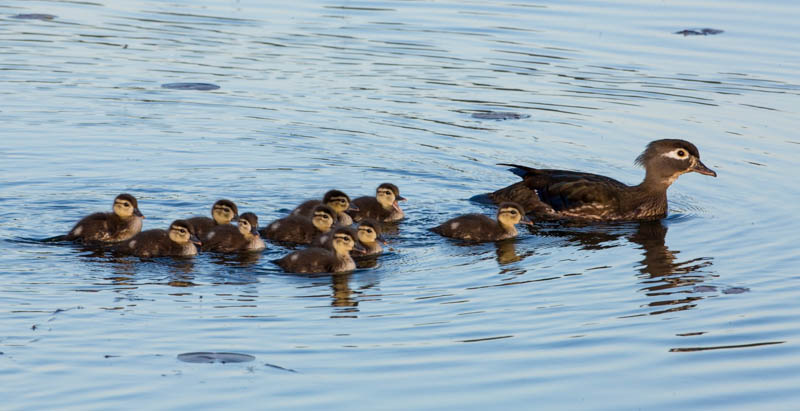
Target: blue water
<point>697,311</point>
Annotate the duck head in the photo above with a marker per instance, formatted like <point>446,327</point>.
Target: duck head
<point>323,218</point>
<point>224,211</point>
<point>126,206</point>
<point>665,160</point>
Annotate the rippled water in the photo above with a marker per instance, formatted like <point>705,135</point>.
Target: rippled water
<point>696,311</point>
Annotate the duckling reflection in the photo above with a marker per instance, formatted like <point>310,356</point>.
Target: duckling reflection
<point>128,274</point>
<point>342,294</point>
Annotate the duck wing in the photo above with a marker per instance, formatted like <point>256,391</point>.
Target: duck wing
<point>562,193</point>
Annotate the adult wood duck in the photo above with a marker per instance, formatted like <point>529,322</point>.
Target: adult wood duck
<point>222,212</point>
<point>478,227</point>
<point>299,229</point>
<point>335,259</point>
<point>572,195</point>
<point>383,207</point>
<point>227,238</point>
<point>335,199</point>
<point>122,223</point>
<point>177,241</point>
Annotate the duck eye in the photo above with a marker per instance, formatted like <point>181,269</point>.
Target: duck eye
<point>681,153</point>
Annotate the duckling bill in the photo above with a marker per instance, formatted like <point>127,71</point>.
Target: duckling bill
<point>335,259</point>
<point>572,195</point>
<point>177,241</point>
<point>480,228</point>
<point>122,223</point>
<point>383,207</point>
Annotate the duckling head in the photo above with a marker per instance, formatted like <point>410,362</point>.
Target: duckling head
<point>248,225</point>
<point>181,233</point>
<point>224,211</point>
<point>665,160</point>
<point>323,218</point>
<point>510,214</point>
<point>369,231</point>
<point>126,206</point>
<point>337,200</point>
<point>344,242</point>
<point>388,195</point>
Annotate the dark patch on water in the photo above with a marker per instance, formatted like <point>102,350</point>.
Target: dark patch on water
<point>499,115</point>
<point>699,32</point>
<point>279,367</point>
<point>34,16</point>
<point>724,347</point>
<point>190,86</point>
<point>212,357</point>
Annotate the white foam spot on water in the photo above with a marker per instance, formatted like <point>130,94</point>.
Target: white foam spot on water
<point>453,226</point>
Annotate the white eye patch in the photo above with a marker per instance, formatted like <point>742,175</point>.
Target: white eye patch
<point>677,154</point>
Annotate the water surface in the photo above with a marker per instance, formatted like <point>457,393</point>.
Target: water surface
<point>696,311</point>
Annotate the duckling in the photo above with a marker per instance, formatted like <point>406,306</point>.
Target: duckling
<point>177,241</point>
<point>223,212</point>
<point>572,195</point>
<point>335,199</point>
<point>124,222</point>
<point>478,227</point>
<point>383,207</point>
<point>369,236</point>
<point>335,259</point>
<point>226,238</point>
<point>299,229</point>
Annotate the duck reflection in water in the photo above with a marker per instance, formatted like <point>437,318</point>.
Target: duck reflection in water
<point>663,276</point>
<point>130,272</point>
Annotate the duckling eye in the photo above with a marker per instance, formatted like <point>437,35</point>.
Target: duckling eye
<point>126,204</point>
<point>369,231</point>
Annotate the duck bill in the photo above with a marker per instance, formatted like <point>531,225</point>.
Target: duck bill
<point>701,168</point>
<point>196,241</point>
<point>400,198</point>
<point>359,249</point>
<point>526,221</point>
<point>352,208</point>
<point>137,213</point>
